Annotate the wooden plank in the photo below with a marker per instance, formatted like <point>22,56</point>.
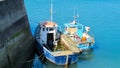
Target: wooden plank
<point>70,43</point>
<point>60,53</point>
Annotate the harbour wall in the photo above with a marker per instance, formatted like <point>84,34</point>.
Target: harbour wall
<point>16,41</point>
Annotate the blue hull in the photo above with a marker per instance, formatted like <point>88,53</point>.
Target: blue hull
<point>58,60</point>
<point>85,47</point>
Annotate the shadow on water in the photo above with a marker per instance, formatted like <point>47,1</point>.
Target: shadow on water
<point>88,54</point>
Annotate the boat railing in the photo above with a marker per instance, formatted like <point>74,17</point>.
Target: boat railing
<point>59,29</point>
<point>91,36</point>
<point>47,47</point>
<point>58,53</point>
<point>47,50</point>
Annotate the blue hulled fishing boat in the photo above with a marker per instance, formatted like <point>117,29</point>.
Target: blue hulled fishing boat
<point>80,34</point>
<point>55,46</point>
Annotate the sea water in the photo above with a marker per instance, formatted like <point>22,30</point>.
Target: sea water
<point>102,16</point>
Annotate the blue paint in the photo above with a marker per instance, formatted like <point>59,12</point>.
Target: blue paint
<point>79,27</point>
<point>80,30</point>
<point>85,47</point>
<point>59,60</point>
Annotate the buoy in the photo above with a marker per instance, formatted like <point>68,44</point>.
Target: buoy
<point>83,38</point>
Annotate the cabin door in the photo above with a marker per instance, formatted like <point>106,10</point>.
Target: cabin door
<point>50,39</point>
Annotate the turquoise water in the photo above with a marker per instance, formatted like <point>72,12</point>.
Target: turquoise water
<point>102,16</point>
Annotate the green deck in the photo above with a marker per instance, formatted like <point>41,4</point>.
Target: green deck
<point>60,47</point>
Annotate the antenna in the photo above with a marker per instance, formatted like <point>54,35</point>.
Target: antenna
<point>76,15</point>
<point>51,11</point>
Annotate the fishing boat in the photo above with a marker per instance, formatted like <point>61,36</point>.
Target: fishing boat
<point>80,34</point>
<point>55,46</point>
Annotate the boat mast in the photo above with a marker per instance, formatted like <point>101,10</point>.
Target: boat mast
<point>51,12</point>
<point>75,17</point>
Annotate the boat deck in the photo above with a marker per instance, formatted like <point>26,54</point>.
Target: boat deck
<point>70,43</point>
<point>59,53</point>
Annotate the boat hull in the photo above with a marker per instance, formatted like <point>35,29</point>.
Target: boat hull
<point>58,60</point>
<point>85,47</point>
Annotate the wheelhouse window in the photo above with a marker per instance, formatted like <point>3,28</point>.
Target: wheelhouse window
<point>51,29</point>
<point>79,27</point>
<point>43,29</point>
<point>47,29</point>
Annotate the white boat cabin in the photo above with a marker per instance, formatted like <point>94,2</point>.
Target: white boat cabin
<point>48,33</point>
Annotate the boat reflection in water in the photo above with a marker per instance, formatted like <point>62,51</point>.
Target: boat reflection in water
<point>37,64</point>
<point>86,55</point>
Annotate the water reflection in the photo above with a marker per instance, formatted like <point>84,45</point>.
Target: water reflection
<point>86,55</point>
<point>51,65</point>
<point>37,64</point>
